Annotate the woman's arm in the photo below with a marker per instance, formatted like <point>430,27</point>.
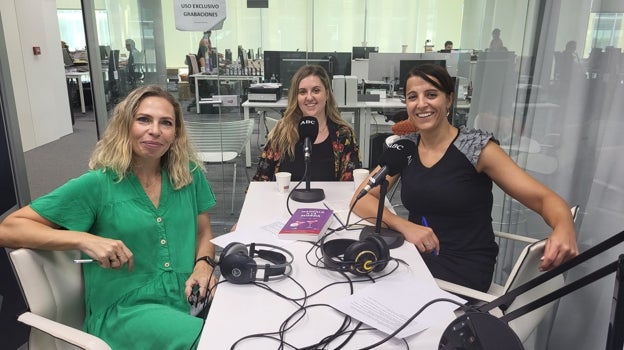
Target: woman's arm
<point>267,164</point>
<point>25,228</point>
<point>346,153</point>
<point>561,244</point>
<point>422,237</point>
<point>202,275</point>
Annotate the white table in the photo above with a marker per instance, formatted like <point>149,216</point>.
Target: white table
<point>364,115</point>
<point>198,77</point>
<point>78,76</point>
<point>240,310</point>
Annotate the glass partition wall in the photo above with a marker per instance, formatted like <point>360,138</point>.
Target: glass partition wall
<point>548,84</point>
<point>323,32</point>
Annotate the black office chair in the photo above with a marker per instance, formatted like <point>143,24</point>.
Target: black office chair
<point>193,68</point>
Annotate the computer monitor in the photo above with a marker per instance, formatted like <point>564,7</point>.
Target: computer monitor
<point>363,51</point>
<point>405,66</point>
<point>104,52</point>
<point>336,63</point>
<point>67,59</point>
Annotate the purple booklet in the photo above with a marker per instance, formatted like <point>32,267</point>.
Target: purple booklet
<point>306,224</point>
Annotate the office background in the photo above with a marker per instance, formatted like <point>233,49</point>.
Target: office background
<point>576,122</point>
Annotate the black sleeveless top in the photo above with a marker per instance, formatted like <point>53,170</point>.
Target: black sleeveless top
<point>322,162</point>
<point>456,201</point>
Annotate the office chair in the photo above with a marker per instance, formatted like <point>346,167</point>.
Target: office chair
<point>52,285</point>
<point>525,269</point>
<point>220,142</point>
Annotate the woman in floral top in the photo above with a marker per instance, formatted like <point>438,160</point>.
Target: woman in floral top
<point>334,153</point>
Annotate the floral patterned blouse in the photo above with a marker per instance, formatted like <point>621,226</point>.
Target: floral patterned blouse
<point>345,149</point>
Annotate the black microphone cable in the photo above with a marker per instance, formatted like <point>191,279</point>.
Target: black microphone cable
<point>305,174</point>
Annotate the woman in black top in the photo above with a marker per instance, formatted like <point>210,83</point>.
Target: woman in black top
<point>334,152</point>
<point>447,188</point>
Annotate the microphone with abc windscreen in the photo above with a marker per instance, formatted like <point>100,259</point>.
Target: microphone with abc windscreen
<point>394,158</point>
<point>308,130</point>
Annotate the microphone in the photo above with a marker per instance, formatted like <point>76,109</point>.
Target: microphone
<point>308,131</point>
<point>394,158</point>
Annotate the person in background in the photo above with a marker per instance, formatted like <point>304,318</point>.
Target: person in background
<point>448,46</point>
<point>204,51</point>
<point>133,64</point>
<point>496,44</point>
<point>141,213</point>
<point>447,189</point>
<point>335,152</point>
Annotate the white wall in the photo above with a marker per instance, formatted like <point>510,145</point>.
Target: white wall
<point>39,82</point>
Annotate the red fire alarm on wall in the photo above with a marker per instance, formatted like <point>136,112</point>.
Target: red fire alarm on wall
<point>36,50</point>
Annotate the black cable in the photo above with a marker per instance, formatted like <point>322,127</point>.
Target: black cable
<point>208,293</point>
<point>398,330</point>
<point>305,173</point>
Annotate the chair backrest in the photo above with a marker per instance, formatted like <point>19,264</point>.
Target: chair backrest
<point>526,269</point>
<point>193,66</point>
<point>222,141</point>
<point>52,285</point>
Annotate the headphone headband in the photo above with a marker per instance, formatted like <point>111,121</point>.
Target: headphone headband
<point>238,266</point>
<point>358,257</point>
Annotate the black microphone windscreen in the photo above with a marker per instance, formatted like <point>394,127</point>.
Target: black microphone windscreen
<point>397,156</point>
<point>308,127</point>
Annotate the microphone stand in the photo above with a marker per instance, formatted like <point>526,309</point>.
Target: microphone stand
<point>485,331</point>
<point>393,238</point>
<point>307,195</point>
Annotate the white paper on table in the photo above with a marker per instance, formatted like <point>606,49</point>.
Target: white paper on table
<point>266,234</point>
<point>341,209</point>
<point>388,303</point>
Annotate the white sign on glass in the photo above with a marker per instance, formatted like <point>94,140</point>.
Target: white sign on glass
<point>199,15</point>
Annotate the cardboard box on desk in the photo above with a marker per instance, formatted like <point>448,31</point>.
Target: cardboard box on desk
<point>350,90</point>
<point>184,90</point>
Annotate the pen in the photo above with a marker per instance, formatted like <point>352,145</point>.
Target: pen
<point>83,261</point>
<point>423,222</point>
<point>336,216</point>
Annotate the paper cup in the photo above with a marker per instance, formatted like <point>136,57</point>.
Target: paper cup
<point>283,181</point>
<point>359,175</point>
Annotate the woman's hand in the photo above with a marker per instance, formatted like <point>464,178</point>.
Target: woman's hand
<point>422,237</point>
<point>204,278</point>
<point>560,247</point>
<point>110,253</point>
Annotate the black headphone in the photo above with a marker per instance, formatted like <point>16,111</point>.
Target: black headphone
<point>358,257</point>
<point>238,266</point>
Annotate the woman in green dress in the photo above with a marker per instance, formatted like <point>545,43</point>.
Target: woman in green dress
<point>140,213</point>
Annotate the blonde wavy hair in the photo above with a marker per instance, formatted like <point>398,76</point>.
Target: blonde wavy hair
<point>286,133</point>
<point>114,151</point>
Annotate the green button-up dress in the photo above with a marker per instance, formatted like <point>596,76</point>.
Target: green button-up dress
<point>144,308</point>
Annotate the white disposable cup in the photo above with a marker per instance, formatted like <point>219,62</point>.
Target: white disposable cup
<point>359,175</point>
<point>283,181</point>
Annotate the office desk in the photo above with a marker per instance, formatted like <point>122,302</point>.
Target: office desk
<point>240,310</point>
<point>363,117</point>
<point>78,76</point>
<point>215,77</point>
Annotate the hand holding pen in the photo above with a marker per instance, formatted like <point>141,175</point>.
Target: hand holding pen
<point>430,245</point>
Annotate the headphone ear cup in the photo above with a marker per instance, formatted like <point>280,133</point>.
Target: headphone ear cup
<point>383,249</point>
<point>362,255</point>
<point>236,265</point>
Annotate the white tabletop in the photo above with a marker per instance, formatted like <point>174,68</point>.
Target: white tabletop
<point>241,310</point>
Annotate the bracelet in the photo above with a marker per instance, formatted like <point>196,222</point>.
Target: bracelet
<point>207,259</point>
